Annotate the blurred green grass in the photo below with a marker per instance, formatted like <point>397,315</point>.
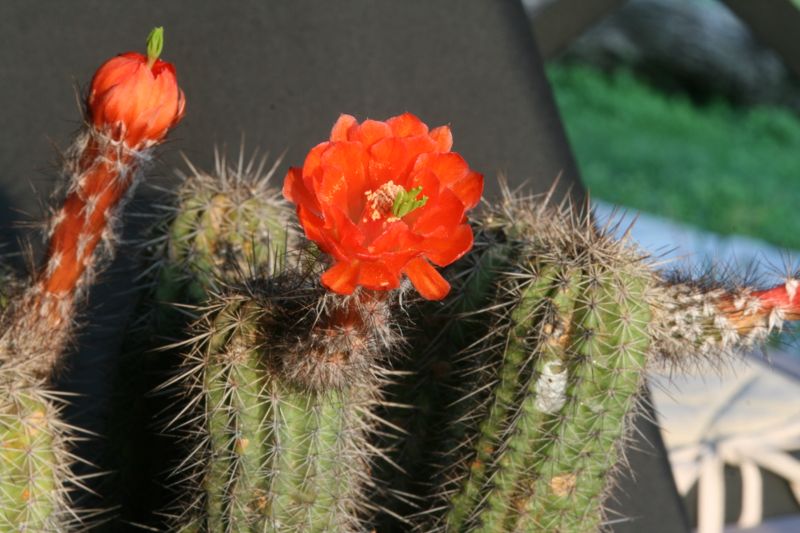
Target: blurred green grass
<point>721,168</point>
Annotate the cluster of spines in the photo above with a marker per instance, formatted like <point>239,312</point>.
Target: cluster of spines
<point>711,319</point>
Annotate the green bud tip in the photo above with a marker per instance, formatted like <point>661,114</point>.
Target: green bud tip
<point>406,201</point>
<point>155,43</point>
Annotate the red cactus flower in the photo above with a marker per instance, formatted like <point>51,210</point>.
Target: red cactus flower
<point>135,97</point>
<point>385,199</point>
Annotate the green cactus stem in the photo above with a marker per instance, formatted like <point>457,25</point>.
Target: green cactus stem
<point>287,377</point>
<point>35,474</point>
<point>548,390</point>
<point>223,226</point>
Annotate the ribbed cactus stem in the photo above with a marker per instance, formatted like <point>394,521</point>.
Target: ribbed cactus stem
<point>286,410</point>
<point>544,395</point>
<point>611,339</point>
<point>491,429</point>
<point>234,414</point>
<point>34,464</point>
<point>576,317</point>
<point>224,227</point>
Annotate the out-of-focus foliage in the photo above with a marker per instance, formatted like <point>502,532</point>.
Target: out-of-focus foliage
<point>729,170</point>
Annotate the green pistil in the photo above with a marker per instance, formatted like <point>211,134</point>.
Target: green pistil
<point>406,201</point>
<point>155,43</point>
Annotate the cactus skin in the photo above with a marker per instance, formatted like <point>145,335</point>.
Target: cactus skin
<point>35,475</point>
<point>548,388</point>
<point>222,225</point>
<point>35,466</point>
<point>287,376</point>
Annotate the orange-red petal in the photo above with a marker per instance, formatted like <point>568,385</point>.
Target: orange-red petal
<point>441,217</point>
<point>341,277</point>
<point>344,177</point>
<point>407,125</point>
<point>443,137</point>
<point>377,275</point>
<point>370,132</point>
<point>428,282</point>
<point>340,130</point>
<point>443,251</point>
<point>469,190</point>
<point>294,190</point>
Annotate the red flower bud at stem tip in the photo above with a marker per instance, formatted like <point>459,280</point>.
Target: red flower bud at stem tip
<point>133,101</point>
<point>135,98</point>
<point>385,199</point>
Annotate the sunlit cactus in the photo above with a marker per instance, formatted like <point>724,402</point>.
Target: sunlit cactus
<point>220,226</point>
<point>540,390</point>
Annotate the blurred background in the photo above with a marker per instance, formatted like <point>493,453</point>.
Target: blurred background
<point>687,112</point>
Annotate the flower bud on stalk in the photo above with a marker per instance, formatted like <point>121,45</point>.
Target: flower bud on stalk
<point>133,102</point>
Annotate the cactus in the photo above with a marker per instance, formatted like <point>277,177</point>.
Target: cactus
<point>286,377</point>
<point>280,377</point>
<point>34,461</point>
<point>223,225</point>
<point>36,479</point>
<point>549,385</point>
<point>102,165</point>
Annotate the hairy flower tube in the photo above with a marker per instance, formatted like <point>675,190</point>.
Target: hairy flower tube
<point>133,102</point>
<point>385,199</point>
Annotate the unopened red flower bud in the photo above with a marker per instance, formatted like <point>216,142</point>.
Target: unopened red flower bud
<point>135,98</point>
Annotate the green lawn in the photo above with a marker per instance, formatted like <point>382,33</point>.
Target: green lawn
<point>728,170</point>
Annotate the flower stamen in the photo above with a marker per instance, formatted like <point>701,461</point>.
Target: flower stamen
<point>380,202</point>
<point>392,201</point>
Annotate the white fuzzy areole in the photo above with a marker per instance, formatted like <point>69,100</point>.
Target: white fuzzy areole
<point>551,388</point>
